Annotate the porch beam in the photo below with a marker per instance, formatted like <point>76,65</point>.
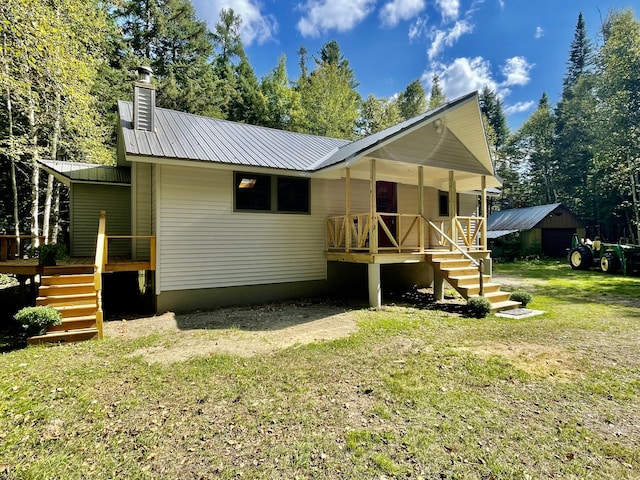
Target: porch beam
<point>347,208</point>
<point>373,225</point>
<point>375,285</point>
<point>483,196</point>
<point>453,206</point>
<point>421,207</point>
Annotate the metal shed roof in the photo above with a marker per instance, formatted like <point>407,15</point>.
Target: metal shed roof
<point>519,218</point>
<point>68,172</point>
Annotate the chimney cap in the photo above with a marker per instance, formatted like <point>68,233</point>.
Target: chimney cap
<point>144,73</point>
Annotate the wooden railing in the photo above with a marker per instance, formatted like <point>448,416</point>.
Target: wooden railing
<point>99,264</point>
<point>13,247</point>
<point>350,233</point>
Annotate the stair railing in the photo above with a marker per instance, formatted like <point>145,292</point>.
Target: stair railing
<point>478,263</point>
<point>99,265</point>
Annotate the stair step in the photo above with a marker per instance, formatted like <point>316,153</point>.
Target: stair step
<point>73,299</point>
<point>505,305</point>
<point>496,297</point>
<point>446,264</point>
<point>69,311</point>
<point>66,279</point>
<point>66,289</point>
<point>466,280</point>
<point>65,337</point>
<point>460,271</point>
<point>74,323</point>
<point>474,289</point>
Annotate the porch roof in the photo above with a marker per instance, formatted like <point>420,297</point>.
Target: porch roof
<point>77,172</point>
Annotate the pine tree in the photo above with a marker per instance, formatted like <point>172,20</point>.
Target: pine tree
<point>436,97</point>
<point>491,108</point>
<point>412,101</point>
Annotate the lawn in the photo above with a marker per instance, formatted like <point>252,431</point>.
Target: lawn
<point>412,393</point>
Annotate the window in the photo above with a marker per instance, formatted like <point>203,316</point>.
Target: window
<point>269,193</point>
<point>252,192</point>
<point>443,203</point>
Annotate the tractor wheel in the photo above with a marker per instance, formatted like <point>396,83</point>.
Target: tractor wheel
<point>609,263</point>
<point>580,258</point>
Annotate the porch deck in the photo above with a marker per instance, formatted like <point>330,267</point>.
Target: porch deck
<point>31,266</point>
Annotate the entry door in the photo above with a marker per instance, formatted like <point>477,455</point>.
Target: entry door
<point>387,202</point>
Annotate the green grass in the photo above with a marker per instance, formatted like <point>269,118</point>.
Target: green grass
<point>413,394</point>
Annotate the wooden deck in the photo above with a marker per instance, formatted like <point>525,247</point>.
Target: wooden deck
<point>30,266</point>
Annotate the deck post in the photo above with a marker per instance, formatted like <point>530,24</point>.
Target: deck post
<point>483,240</point>
<point>438,285</point>
<point>373,224</point>
<point>453,207</point>
<point>421,207</point>
<point>375,285</point>
<point>347,209</point>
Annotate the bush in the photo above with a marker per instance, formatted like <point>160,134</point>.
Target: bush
<point>35,320</point>
<point>478,307</point>
<point>7,279</point>
<point>48,254</point>
<point>521,296</point>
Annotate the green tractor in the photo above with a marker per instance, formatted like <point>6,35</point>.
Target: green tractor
<point>609,257</point>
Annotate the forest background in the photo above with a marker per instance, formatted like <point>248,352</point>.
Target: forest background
<point>65,63</point>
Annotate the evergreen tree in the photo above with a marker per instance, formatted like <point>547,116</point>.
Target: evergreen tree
<point>376,114</point>
<point>491,108</point>
<point>282,102</point>
<point>412,101</point>
<point>436,97</point>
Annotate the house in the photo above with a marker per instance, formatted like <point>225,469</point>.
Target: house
<point>544,229</point>
<point>225,213</point>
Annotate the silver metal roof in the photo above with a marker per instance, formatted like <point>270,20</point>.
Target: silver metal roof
<point>87,172</point>
<point>186,136</point>
<point>519,218</point>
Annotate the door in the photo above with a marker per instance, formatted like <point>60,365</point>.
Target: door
<point>387,202</point>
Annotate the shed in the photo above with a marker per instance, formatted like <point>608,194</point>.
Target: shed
<point>545,229</point>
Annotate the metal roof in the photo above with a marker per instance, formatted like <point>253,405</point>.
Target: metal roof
<point>491,234</point>
<point>87,172</point>
<point>519,218</point>
<point>186,136</point>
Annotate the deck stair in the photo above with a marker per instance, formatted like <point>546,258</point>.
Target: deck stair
<point>463,276</point>
<point>75,297</point>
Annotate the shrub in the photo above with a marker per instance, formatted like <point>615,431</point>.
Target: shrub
<point>478,307</point>
<point>48,254</point>
<point>7,279</point>
<point>521,296</point>
<point>35,320</point>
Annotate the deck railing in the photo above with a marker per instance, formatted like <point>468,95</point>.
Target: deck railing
<point>99,265</point>
<point>350,233</point>
<point>14,247</point>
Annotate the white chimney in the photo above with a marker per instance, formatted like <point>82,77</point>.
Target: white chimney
<point>144,101</point>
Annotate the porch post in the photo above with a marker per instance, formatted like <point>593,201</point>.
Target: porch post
<point>453,206</point>
<point>421,207</point>
<point>375,287</point>
<point>373,224</point>
<point>438,285</point>
<point>347,209</point>
<point>483,196</point>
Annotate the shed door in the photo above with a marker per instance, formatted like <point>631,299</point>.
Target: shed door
<point>555,241</point>
<point>387,202</point>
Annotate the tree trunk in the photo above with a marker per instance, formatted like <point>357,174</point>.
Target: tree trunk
<point>12,151</point>
<point>55,228</point>
<point>46,221</point>
<point>35,173</point>
<point>635,190</point>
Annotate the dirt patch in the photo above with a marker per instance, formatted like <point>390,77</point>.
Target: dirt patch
<point>243,331</point>
<point>538,360</point>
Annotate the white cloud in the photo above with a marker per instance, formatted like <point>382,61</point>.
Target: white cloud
<point>516,71</point>
<point>450,9</point>
<point>418,29</point>
<point>462,76</point>
<point>395,11</point>
<point>256,26</point>
<point>519,107</point>
<point>324,15</point>
<point>501,3</point>
<point>539,33</point>
<point>441,38</point>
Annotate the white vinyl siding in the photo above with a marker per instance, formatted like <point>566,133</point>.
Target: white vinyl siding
<point>203,243</point>
<point>87,201</point>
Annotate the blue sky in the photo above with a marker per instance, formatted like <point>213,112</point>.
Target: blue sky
<point>519,48</point>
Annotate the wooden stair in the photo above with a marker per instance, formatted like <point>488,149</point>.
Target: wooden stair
<point>463,276</point>
<point>74,296</point>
